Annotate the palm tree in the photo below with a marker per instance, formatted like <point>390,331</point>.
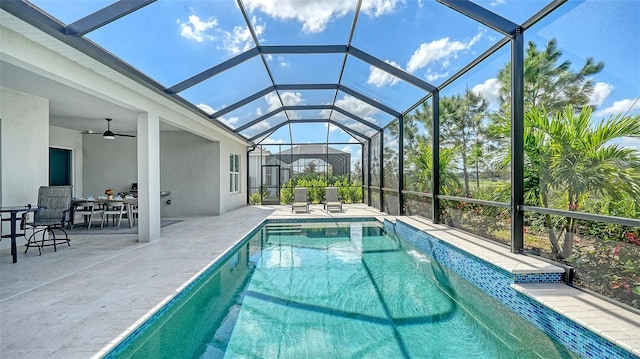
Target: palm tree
<point>549,83</point>
<point>570,160</point>
<point>423,161</point>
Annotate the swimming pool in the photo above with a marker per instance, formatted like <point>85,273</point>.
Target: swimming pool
<point>334,290</point>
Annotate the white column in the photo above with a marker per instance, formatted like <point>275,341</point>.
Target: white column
<point>148,177</point>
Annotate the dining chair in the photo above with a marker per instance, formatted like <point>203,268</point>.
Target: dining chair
<point>87,210</point>
<point>132,211</point>
<point>115,209</point>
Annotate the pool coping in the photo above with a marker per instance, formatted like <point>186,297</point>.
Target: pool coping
<point>605,319</point>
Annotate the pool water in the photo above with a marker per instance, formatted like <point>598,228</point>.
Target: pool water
<point>338,290</point>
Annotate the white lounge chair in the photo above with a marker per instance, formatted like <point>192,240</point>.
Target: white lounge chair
<point>331,200</point>
<point>300,202</point>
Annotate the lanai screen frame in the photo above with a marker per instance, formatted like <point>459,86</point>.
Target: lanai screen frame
<point>73,35</point>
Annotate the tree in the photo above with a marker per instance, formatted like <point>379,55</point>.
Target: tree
<point>461,127</point>
<point>569,160</point>
<point>423,161</point>
<point>549,83</point>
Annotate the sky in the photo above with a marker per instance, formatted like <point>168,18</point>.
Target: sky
<point>172,40</point>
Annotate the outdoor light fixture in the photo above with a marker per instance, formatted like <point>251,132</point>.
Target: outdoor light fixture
<point>108,135</point>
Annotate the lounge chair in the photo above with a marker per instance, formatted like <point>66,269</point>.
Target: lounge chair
<point>331,200</point>
<point>300,202</point>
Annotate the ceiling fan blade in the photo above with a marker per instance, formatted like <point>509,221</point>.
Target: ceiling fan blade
<point>123,135</point>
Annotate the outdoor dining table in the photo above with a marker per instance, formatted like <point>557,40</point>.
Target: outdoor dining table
<point>14,210</point>
<point>126,201</point>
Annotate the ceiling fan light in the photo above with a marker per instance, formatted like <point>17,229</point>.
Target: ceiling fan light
<point>108,135</point>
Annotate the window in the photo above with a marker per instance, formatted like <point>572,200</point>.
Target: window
<point>234,173</point>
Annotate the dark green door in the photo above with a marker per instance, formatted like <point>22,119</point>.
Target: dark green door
<point>59,167</point>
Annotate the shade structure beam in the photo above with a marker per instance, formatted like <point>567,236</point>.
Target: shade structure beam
<point>293,87</point>
<point>350,131</point>
<point>357,118</point>
<point>392,70</point>
<point>302,49</point>
<point>213,71</point>
<point>482,15</point>
<point>259,119</point>
<point>243,102</point>
<point>269,131</point>
<point>104,16</point>
<point>369,101</point>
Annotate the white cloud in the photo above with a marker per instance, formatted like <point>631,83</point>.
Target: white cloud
<point>622,106</point>
<point>206,108</point>
<point>231,122</point>
<point>630,142</point>
<point>282,62</point>
<point>292,98</point>
<point>260,126</point>
<point>196,29</point>
<point>288,99</point>
<point>239,39</point>
<point>438,50</point>
<point>271,141</point>
<point>497,2</point>
<point>273,102</point>
<point>380,7</point>
<point>356,107</point>
<point>490,90</point>
<point>315,15</point>
<point>600,92</point>
<point>381,78</point>
<point>431,76</point>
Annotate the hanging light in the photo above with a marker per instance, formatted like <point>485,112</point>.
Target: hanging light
<point>108,135</point>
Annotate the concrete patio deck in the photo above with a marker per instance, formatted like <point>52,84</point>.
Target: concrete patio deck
<point>74,302</point>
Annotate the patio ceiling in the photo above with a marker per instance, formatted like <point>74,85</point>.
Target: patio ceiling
<point>280,65</point>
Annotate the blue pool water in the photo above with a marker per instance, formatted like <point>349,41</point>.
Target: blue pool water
<point>335,290</point>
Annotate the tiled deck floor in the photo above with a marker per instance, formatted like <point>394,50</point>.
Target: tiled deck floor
<point>71,303</point>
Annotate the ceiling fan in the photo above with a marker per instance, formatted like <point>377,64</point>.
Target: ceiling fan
<point>108,135</point>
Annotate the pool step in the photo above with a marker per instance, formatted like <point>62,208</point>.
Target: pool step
<point>283,228</point>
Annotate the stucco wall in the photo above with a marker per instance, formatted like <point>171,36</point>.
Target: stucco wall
<point>108,164</point>
<point>230,201</point>
<point>190,170</point>
<point>25,147</point>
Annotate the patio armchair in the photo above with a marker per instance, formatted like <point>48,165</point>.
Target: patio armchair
<point>331,199</point>
<point>300,201</point>
<point>54,213</point>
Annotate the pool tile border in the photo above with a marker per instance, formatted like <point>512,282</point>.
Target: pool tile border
<point>497,282</point>
<point>114,349</point>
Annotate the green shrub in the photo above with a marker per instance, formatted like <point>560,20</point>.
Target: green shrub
<point>255,198</point>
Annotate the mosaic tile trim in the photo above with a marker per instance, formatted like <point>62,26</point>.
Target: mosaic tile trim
<point>312,220</point>
<point>497,283</point>
<point>389,226</point>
